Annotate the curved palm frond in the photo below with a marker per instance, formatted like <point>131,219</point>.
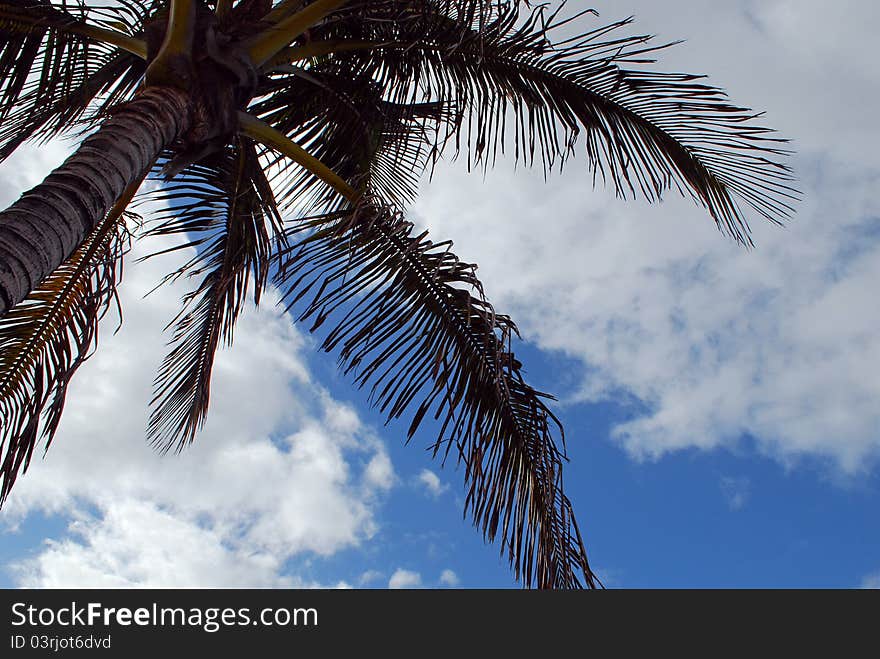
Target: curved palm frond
<point>410,321</point>
<point>647,132</point>
<point>226,208</point>
<point>45,338</point>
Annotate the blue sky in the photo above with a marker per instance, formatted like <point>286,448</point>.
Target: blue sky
<point>720,404</point>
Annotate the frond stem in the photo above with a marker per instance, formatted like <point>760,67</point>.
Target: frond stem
<point>263,133</point>
<point>171,66</point>
<point>223,7</point>
<point>279,36</point>
<point>118,39</point>
<point>283,10</point>
<point>105,35</point>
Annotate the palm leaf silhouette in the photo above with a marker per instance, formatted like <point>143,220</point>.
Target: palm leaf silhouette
<point>292,137</point>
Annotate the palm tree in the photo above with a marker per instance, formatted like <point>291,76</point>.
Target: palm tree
<point>292,136</point>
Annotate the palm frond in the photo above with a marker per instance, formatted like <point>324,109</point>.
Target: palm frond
<point>226,208</point>
<point>379,147</point>
<point>409,320</point>
<point>52,70</point>
<point>646,132</point>
<point>47,336</point>
<point>111,84</point>
<point>408,325</point>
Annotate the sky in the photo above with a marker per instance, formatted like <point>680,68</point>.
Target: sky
<point>720,404</point>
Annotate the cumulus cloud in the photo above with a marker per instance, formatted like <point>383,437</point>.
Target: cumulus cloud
<point>135,543</point>
<point>402,579</point>
<point>449,578</point>
<point>703,342</point>
<point>431,483</point>
<point>281,468</point>
<point>709,343</point>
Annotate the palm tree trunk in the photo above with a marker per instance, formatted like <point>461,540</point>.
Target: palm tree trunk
<point>43,228</point>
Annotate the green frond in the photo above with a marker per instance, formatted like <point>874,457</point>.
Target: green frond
<point>410,321</point>
<point>47,336</point>
<point>225,207</point>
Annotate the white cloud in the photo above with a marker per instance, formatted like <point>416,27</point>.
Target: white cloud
<point>871,581</point>
<point>449,578</point>
<point>402,579</point>
<point>379,472</point>
<point>134,543</point>
<point>779,344</point>
<point>736,491</point>
<point>280,469</point>
<point>27,167</point>
<point>368,577</point>
<point>432,483</point>
<point>711,343</point>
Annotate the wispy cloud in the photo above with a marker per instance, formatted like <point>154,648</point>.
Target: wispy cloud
<point>369,577</point>
<point>736,491</point>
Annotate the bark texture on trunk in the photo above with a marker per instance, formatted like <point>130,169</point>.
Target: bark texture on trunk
<point>43,228</point>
